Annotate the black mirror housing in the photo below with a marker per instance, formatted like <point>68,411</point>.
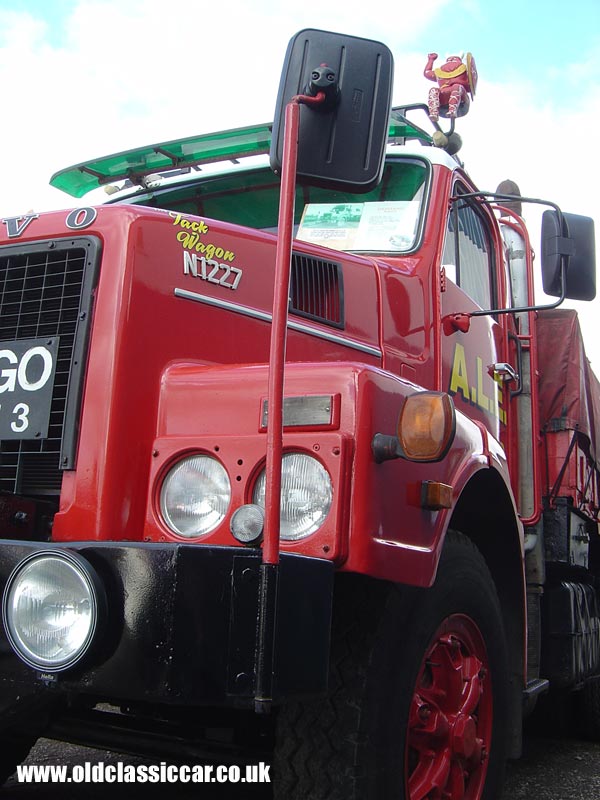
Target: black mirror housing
<point>575,241</point>
<point>341,142</point>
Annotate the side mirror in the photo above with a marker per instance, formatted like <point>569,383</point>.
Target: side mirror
<point>575,243</point>
<point>341,143</point>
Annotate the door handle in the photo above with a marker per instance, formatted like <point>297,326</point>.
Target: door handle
<point>503,372</point>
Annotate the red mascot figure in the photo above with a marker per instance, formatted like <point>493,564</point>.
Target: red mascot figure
<point>456,82</point>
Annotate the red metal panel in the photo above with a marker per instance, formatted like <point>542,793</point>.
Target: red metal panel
<point>569,409</point>
<point>569,390</point>
<point>140,326</point>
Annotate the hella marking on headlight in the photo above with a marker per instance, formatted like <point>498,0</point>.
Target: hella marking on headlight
<point>52,607</point>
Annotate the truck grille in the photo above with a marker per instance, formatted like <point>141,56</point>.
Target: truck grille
<point>317,290</point>
<point>46,291</point>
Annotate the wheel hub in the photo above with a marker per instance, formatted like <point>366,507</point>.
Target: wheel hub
<point>464,736</point>
<point>451,714</point>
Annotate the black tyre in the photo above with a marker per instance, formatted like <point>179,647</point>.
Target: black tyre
<point>417,706</point>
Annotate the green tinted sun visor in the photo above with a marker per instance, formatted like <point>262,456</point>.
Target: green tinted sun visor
<point>401,128</point>
<point>134,165</point>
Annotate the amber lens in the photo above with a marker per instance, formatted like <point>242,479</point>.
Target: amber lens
<point>426,426</point>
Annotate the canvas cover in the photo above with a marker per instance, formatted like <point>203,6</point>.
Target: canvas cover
<point>569,391</point>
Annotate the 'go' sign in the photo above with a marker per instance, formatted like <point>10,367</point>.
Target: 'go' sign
<point>27,370</point>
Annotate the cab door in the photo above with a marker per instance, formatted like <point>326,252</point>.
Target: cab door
<point>474,349</point>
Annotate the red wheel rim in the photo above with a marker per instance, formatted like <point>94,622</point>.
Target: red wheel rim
<point>451,713</point>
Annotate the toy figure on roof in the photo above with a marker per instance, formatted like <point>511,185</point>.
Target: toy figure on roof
<point>457,82</point>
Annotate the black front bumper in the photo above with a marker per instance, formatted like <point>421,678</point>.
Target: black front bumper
<point>181,627</point>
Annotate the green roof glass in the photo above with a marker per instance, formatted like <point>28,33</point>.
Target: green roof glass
<point>401,128</point>
<point>180,153</point>
<point>134,164</point>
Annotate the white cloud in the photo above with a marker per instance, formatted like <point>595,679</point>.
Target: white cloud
<point>129,73</point>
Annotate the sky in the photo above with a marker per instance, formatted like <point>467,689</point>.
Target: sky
<point>85,78</point>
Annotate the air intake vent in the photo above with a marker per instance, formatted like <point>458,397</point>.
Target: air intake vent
<point>317,290</point>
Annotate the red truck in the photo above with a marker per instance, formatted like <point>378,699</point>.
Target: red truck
<point>434,473</point>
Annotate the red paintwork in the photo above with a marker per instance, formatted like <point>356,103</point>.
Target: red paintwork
<point>167,376</point>
<point>230,430</point>
<point>139,328</point>
<point>569,412</point>
<point>364,532</point>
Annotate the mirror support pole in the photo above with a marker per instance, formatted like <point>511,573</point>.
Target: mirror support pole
<point>269,568</point>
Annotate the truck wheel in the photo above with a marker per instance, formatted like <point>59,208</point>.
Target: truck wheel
<point>417,705</point>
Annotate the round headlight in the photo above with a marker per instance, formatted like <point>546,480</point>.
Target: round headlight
<point>306,495</point>
<point>50,610</point>
<point>195,496</point>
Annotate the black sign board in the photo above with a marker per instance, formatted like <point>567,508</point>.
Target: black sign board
<point>27,370</point>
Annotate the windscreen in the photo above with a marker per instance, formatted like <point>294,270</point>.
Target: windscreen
<point>387,219</point>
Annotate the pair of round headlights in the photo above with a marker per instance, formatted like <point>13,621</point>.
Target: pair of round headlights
<point>196,495</point>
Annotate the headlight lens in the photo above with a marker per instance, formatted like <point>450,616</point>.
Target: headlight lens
<point>195,496</point>
<point>306,495</point>
<point>50,610</point>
